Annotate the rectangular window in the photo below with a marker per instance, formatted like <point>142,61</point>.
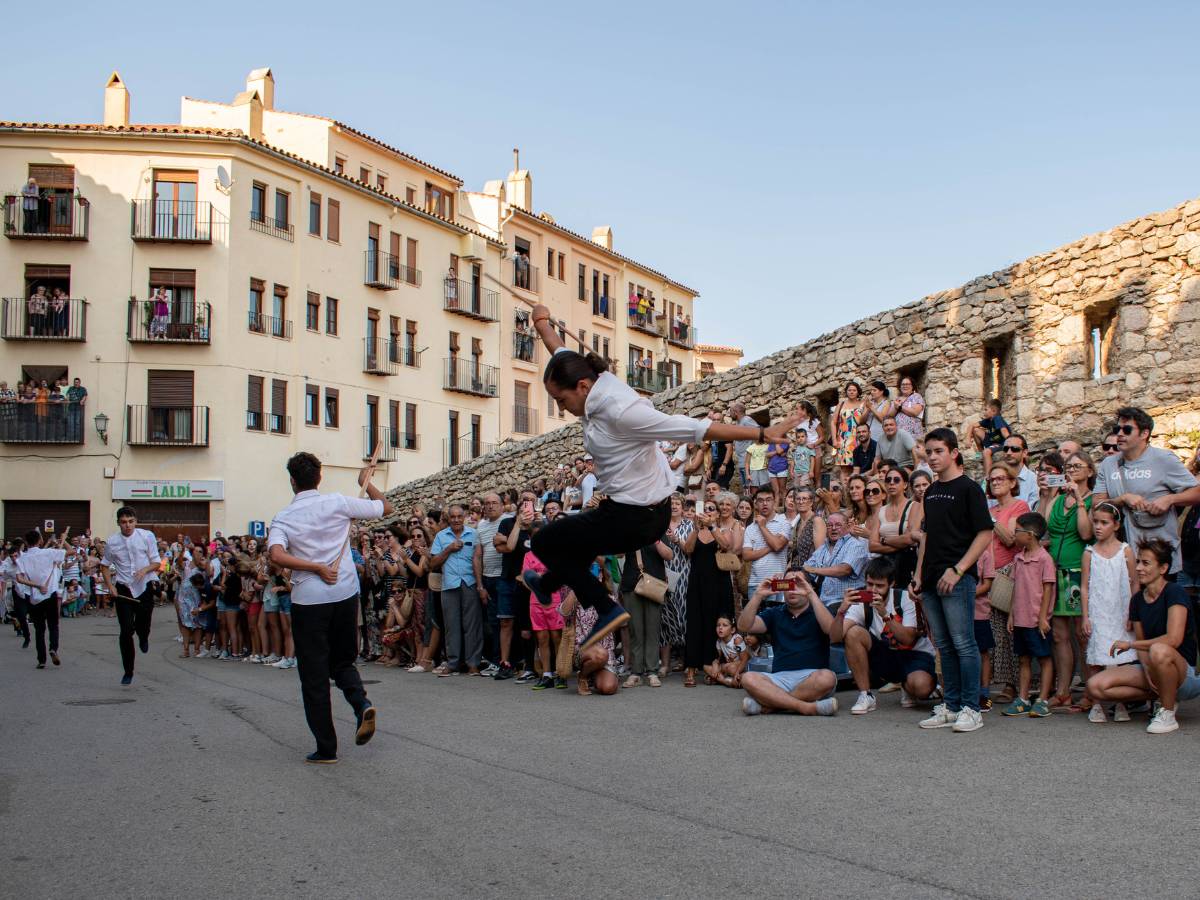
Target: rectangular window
<point>339,165</point>
<point>258,201</point>
<point>549,262</point>
<point>1101,328</point>
<point>381,182</point>
<point>333,224</point>
<point>254,403</point>
<point>314,213</point>
<point>331,407</point>
<point>393,423</point>
<point>279,423</point>
<point>283,208</point>
<point>476,437</point>
<point>604,353</point>
<point>312,311</point>
<point>279,312</point>
<point>410,195</point>
<point>364,174</point>
<point>411,261</point>
<point>453,438</point>
<point>410,426</point>
<point>170,396</point>
<point>331,306</point>
<point>312,405</point>
<point>439,201</point>
<point>582,282</point>
<point>254,319</point>
<point>595,284</point>
<point>562,267</point>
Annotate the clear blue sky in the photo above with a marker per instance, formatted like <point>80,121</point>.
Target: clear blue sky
<point>802,164</point>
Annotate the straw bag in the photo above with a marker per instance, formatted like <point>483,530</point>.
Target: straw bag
<point>648,587</point>
<point>728,561</point>
<point>435,581</point>
<point>564,661</point>
<point>1001,595</point>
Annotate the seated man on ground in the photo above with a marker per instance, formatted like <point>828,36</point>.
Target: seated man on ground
<point>884,645</point>
<point>800,680</point>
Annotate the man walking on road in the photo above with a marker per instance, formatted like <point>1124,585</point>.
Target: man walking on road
<point>38,570</point>
<point>311,537</point>
<point>133,553</point>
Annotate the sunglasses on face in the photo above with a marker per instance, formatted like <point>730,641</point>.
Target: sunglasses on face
<point>895,480</point>
<point>1123,429</point>
<point>872,492</point>
<point>1013,448</point>
<point>1110,448</point>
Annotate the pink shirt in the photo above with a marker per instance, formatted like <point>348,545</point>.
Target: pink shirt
<point>1029,573</point>
<point>983,609</point>
<point>532,562</point>
<point>1001,554</point>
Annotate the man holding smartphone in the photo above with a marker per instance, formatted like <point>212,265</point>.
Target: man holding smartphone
<point>453,554</point>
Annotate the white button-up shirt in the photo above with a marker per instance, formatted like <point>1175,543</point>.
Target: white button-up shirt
<point>314,527</point>
<point>129,555</point>
<point>620,431</point>
<point>41,565</point>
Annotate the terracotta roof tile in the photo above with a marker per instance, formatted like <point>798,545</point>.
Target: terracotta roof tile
<point>718,348</point>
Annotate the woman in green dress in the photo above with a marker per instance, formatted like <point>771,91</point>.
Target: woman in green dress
<point>1069,530</point>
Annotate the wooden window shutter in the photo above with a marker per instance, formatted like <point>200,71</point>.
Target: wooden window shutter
<point>476,347</point>
<point>171,388</point>
<point>373,231</point>
<point>61,177</point>
<point>454,342</point>
<point>180,278</point>
<point>278,397</point>
<point>258,285</point>
<point>281,290</point>
<point>373,314</point>
<point>394,245</point>
<point>411,261</point>
<point>454,263</point>
<point>410,419</point>
<point>38,271</point>
<point>410,326</point>
<point>254,393</point>
<point>333,225</point>
<point>394,417</point>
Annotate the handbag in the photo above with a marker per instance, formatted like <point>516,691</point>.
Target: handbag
<point>728,561</point>
<point>648,587</point>
<point>435,581</point>
<point>564,661</point>
<point>1001,595</point>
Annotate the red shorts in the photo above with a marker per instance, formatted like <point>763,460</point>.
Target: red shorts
<point>544,618</point>
<point>255,608</point>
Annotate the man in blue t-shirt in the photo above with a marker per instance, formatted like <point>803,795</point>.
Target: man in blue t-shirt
<point>800,680</point>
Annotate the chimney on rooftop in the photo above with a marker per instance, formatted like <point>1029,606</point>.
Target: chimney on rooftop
<point>116,102</point>
<point>602,235</point>
<point>262,82</point>
<point>520,185</point>
<point>251,109</point>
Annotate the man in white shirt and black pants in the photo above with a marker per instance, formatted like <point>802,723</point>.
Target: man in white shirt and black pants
<point>132,554</point>
<point>620,431</point>
<point>38,569</point>
<point>311,537</point>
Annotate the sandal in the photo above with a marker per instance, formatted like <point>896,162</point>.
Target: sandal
<point>689,678</point>
<point>708,679</point>
<point>1061,701</point>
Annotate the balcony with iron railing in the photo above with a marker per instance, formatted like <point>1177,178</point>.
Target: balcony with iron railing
<point>379,356</point>
<point>603,308</point>
<point>257,323</point>
<point>166,426</point>
<point>683,334</point>
<point>379,436</point>
<point>266,225</point>
<point>525,419</point>
<point>647,381</point>
<point>523,274</point>
<point>465,376</point>
<point>650,323</point>
<point>404,355</point>
<point>33,320</point>
<point>42,423</point>
<point>185,322</point>
<point>381,270</point>
<point>174,221</point>
<point>470,299</point>
<point>464,449</point>
<point>256,420</point>
<point>51,216</point>
<point>525,346</point>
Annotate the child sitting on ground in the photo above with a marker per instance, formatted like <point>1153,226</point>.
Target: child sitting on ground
<point>1034,578</point>
<point>732,656</point>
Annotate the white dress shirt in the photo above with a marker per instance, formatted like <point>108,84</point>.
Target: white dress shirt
<point>129,555</point>
<point>620,431</point>
<point>41,565</point>
<point>314,527</point>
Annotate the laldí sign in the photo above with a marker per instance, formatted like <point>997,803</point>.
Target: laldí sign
<point>168,490</point>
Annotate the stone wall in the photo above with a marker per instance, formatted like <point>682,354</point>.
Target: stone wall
<point>1023,333</point>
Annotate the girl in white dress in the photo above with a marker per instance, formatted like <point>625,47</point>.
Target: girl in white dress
<point>1108,583</point>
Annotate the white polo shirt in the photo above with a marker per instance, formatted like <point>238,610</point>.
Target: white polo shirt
<point>129,555</point>
<point>314,527</point>
<point>41,565</point>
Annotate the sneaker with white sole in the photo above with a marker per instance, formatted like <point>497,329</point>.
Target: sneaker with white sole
<point>751,707</point>
<point>1163,722</point>
<point>968,720</point>
<point>864,704</point>
<point>906,700</point>
<point>827,707</point>
<point>1096,714</point>
<point>941,718</point>
<point>202,654</point>
<point>417,669</point>
<point>1120,713</point>
<point>271,660</point>
<point>490,671</point>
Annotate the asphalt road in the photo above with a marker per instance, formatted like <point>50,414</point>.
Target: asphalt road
<point>480,789</point>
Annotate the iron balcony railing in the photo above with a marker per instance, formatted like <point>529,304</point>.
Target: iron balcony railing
<point>48,320</point>
<point>649,381</point>
<point>59,422</point>
<point>524,346</point>
<point>381,270</point>
<point>403,440</point>
<point>402,355</point>
<point>602,307</point>
<point>167,426</point>
<point>524,275</point>
<point>379,436</point>
<point>52,216</point>
<point>184,322</point>
<point>464,449</point>
<point>257,323</point>
<point>683,334</point>
<point>471,299</point>
<point>261,421</point>
<point>255,420</point>
<point>379,357</point>
<point>283,230</point>
<point>468,377</point>
<point>174,221</point>
<point>650,323</point>
<point>525,419</point>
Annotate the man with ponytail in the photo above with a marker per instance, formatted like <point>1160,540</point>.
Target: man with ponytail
<point>620,431</point>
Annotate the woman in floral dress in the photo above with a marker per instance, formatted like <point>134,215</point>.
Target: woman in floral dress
<point>849,413</point>
<point>673,632</point>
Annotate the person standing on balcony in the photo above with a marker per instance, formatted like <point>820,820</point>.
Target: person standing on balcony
<point>30,198</point>
<point>451,289</point>
<point>620,431</point>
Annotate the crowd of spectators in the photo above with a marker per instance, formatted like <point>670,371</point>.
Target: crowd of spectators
<point>43,410</point>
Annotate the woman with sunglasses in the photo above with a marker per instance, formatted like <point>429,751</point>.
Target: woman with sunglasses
<point>709,589</point>
<point>1002,487</point>
<point>891,531</point>
<point>808,533</point>
<point>415,561</point>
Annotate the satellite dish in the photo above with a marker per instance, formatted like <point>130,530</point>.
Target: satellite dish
<point>223,178</point>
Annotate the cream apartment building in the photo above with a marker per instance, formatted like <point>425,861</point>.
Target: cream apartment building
<point>636,317</point>
<point>229,290</point>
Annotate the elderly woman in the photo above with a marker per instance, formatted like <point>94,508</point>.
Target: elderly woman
<point>910,409</point>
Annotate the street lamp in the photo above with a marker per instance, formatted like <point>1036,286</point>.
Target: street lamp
<point>101,422</point>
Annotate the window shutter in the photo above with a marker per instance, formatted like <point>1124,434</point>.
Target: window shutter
<point>179,278</point>
<point>278,397</point>
<point>373,314</point>
<point>410,326</point>
<point>410,419</point>
<point>257,284</point>
<point>454,342</point>
<point>61,177</point>
<point>37,271</point>
<point>281,290</point>
<point>254,393</point>
<point>170,388</point>
<point>333,227</point>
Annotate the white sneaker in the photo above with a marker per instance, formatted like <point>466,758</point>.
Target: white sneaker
<point>271,660</point>
<point>418,668</point>
<point>202,654</point>
<point>280,663</point>
<point>941,718</point>
<point>225,655</point>
<point>179,638</point>
<point>1120,713</point>
<point>968,720</point>
<point>1096,714</point>
<point>1163,722</point>
<point>890,688</point>
<point>906,701</point>
<point>750,706</point>
<point>491,670</point>
<point>864,704</point>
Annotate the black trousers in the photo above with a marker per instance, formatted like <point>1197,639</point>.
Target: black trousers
<point>568,546</point>
<point>326,637</point>
<point>133,614</point>
<point>21,614</point>
<point>44,616</point>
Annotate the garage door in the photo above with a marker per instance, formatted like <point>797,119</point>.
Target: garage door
<point>21,516</point>
<point>167,518</point>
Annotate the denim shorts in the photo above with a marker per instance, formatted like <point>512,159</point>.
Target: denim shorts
<point>1030,642</point>
<point>891,665</point>
<point>1190,689</point>
<point>789,681</point>
<point>983,635</point>
<point>506,591</point>
<point>222,608</point>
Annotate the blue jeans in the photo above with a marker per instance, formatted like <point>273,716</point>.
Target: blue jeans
<point>952,626</point>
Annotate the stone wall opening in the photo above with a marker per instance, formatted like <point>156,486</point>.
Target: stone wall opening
<point>1100,328</point>
<point>918,372</point>
<point>1000,371</point>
